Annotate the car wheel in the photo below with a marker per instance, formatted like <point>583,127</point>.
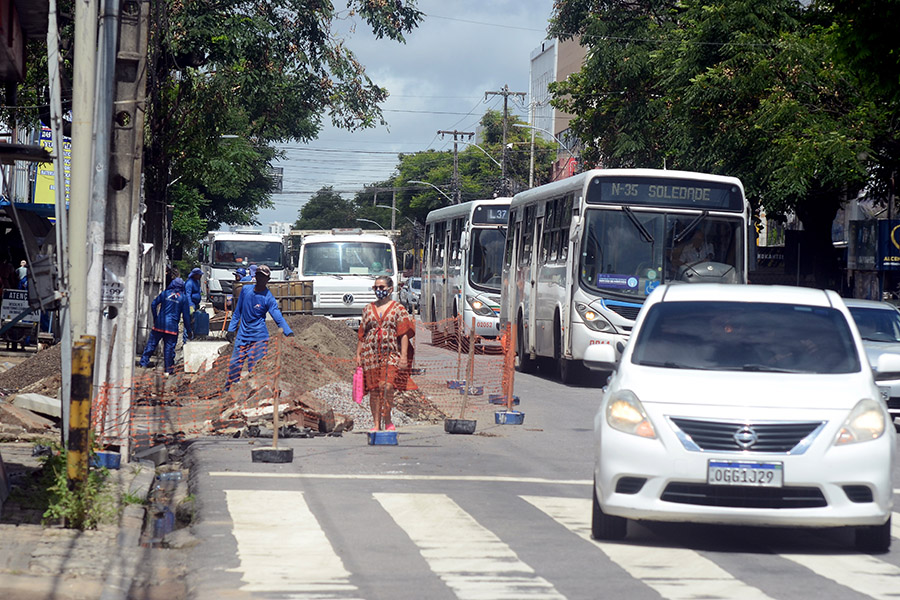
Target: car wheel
<point>604,526</point>
<point>875,539</point>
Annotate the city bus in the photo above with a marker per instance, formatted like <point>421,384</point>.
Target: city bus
<point>583,253</point>
<point>342,265</point>
<point>462,267</point>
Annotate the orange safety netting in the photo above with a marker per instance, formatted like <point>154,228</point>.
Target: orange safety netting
<point>309,375</point>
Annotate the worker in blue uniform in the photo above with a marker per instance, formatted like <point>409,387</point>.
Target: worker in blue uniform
<point>251,275</point>
<point>168,308</point>
<point>192,289</point>
<point>247,328</point>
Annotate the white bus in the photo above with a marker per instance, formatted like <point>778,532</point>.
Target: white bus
<point>222,252</point>
<point>583,253</point>
<point>343,265</point>
<point>463,264</point>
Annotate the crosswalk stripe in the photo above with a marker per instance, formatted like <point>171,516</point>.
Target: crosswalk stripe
<point>469,559</point>
<point>302,564</point>
<point>400,477</point>
<point>895,525</point>
<point>862,573</point>
<point>674,573</point>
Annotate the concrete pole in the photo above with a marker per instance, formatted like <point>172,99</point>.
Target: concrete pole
<point>83,93</point>
<point>103,117</point>
<point>62,231</point>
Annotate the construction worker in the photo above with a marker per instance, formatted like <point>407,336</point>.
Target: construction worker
<point>192,288</point>
<point>168,308</point>
<point>247,328</point>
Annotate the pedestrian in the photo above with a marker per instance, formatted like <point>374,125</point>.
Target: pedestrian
<point>22,272</point>
<point>385,352</point>
<point>168,308</point>
<point>251,274</point>
<point>247,328</point>
<point>239,274</point>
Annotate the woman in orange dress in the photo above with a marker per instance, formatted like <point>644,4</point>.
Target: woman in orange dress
<point>385,352</point>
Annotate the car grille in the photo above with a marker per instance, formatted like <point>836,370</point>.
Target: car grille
<point>893,405</point>
<point>743,497</point>
<point>784,438</point>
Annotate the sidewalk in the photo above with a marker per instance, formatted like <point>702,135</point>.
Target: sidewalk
<point>109,563</point>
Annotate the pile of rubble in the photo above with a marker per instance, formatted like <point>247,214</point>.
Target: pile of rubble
<point>312,386</point>
<point>29,391</point>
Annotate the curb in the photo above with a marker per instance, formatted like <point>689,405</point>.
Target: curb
<point>117,583</point>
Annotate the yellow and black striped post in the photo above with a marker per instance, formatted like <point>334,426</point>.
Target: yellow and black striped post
<point>80,408</point>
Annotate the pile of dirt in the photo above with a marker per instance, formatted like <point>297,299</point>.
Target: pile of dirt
<point>45,364</point>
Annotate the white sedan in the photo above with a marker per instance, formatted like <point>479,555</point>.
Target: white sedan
<point>879,326</point>
<point>747,405</point>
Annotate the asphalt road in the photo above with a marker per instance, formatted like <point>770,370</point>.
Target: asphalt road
<point>504,513</point>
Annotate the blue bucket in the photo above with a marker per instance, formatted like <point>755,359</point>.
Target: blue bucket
<point>511,417</point>
<point>453,384</point>
<point>382,438</point>
<point>110,460</point>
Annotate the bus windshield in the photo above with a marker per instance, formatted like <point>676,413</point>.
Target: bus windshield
<point>629,253</point>
<point>347,258</point>
<point>486,258</point>
<point>243,253</point>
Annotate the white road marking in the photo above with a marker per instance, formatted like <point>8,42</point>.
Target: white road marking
<point>401,477</point>
<point>302,564</point>
<point>862,573</point>
<point>895,525</point>
<point>469,558</point>
<point>674,573</point>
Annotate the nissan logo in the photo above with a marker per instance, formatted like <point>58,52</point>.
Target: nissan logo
<point>348,299</point>
<point>745,437</point>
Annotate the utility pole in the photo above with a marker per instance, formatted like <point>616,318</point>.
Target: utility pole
<point>454,184</point>
<point>506,94</point>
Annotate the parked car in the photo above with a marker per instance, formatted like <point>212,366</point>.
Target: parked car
<point>744,405</point>
<point>879,327</point>
<point>410,293</point>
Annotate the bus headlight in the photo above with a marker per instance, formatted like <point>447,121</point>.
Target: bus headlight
<point>479,307</point>
<point>592,318</point>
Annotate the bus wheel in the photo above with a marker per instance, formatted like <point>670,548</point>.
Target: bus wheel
<point>437,337</point>
<point>524,363</point>
<point>565,367</point>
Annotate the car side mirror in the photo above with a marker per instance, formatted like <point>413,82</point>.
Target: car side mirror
<point>602,357</point>
<point>888,366</point>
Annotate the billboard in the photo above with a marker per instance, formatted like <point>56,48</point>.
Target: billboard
<point>45,182</point>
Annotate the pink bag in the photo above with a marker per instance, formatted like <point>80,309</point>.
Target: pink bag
<point>358,388</point>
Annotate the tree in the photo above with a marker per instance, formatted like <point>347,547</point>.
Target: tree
<point>326,209</point>
<point>227,79</point>
<point>749,89</point>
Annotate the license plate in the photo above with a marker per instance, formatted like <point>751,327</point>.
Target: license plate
<point>725,472</point>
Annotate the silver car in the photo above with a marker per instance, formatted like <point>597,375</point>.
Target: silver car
<point>879,327</point>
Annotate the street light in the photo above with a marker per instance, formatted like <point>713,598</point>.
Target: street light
<point>547,131</point>
<point>434,186</point>
<point>483,151</point>
<point>373,222</point>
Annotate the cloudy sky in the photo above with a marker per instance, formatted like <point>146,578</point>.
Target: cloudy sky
<point>437,81</point>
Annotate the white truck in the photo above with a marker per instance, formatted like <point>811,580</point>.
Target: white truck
<point>222,252</point>
<point>343,265</point>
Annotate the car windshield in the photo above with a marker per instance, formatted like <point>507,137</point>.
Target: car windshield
<point>877,324</point>
<point>743,336</point>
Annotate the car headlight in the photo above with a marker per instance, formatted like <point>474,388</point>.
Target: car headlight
<point>592,318</point>
<point>480,307</point>
<point>626,413</point>
<point>866,422</point>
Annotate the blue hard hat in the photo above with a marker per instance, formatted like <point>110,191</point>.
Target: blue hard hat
<point>253,269</point>
<point>241,271</point>
<point>195,271</point>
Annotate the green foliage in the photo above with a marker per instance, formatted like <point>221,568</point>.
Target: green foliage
<point>326,210</point>
<point>86,505</point>
<point>749,88</point>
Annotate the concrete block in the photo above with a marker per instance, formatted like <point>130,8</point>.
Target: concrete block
<point>158,454</point>
<point>200,355</point>
<point>17,420</point>
<point>38,403</point>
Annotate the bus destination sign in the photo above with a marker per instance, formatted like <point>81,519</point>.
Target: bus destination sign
<point>659,191</point>
<point>490,215</point>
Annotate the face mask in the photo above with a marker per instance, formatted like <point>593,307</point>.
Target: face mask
<point>382,294</point>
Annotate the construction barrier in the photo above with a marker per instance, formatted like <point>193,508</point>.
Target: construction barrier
<point>311,375</point>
